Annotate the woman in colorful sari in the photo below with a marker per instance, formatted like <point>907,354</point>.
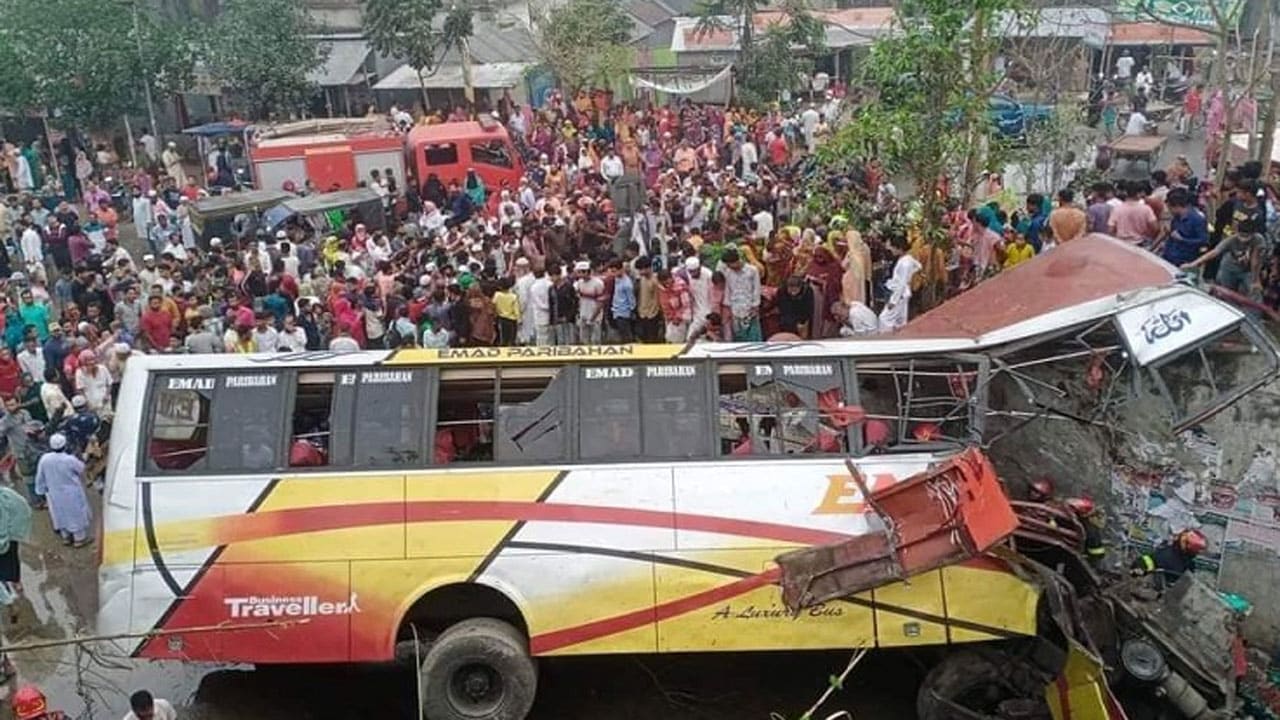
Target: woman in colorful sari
<point>824,276</point>
<point>779,260</point>
<point>857,269</point>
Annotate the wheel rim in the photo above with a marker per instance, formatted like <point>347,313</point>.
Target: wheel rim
<point>475,690</point>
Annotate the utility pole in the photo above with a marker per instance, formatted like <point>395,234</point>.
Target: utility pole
<point>142,63</point>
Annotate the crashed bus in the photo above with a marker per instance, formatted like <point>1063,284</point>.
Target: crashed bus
<point>474,509</point>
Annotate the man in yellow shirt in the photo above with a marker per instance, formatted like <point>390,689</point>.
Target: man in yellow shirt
<point>507,308</point>
<point>1018,251</point>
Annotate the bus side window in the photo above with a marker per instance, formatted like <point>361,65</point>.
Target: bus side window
<point>180,413</point>
<point>748,410</point>
<point>673,411</point>
<point>389,421</point>
<point>531,406</point>
<point>464,416</point>
<point>609,415</point>
<point>812,407</point>
<point>248,412</point>
<point>321,420</point>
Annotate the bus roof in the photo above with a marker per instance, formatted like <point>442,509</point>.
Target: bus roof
<point>1094,267</point>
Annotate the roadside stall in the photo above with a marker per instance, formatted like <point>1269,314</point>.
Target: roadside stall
<point>233,135</point>
<point>214,216</point>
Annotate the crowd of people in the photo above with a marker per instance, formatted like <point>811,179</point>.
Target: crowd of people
<point>723,246</point>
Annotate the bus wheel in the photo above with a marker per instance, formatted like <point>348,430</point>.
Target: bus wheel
<point>478,669</point>
<point>986,684</point>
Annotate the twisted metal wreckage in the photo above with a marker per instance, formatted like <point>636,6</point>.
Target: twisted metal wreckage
<point>1076,333</point>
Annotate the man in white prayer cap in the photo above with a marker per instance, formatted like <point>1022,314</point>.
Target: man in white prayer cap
<point>60,479</point>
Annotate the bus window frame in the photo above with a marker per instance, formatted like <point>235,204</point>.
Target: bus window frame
<point>844,373</point>
<point>141,470</point>
<point>907,366</point>
<point>426,391</point>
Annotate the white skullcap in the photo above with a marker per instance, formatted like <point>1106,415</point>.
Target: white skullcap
<point>692,263</point>
<point>78,401</point>
<point>57,441</point>
<point>581,265</point>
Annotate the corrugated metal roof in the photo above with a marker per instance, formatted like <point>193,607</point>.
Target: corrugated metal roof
<point>346,59</point>
<point>449,76</point>
<point>848,27</point>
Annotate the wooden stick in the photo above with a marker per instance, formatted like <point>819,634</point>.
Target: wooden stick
<point>221,627</point>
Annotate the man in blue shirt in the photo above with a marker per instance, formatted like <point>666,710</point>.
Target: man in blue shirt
<point>623,306</point>
<point>1039,215</point>
<point>1188,232</point>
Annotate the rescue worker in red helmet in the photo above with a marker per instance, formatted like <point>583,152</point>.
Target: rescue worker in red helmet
<point>1172,559</point>
<point>29,703</point>
<point>1091,520</point>
<point>1040,489</point>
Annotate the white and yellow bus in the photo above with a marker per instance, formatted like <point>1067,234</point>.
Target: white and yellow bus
<point>500,504</point>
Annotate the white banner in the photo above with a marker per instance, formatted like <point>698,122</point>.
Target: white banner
<point>682,84</point>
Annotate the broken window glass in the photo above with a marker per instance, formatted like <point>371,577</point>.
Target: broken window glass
<point>1214,374</point>
<point>530,425</point>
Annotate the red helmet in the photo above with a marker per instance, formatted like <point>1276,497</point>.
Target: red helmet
<point>29,703</point>
<point>1081,506</point>
<point>1041,488</point>
<point>926,432</point>
<point>876,432</point>
<point>1192,542</point>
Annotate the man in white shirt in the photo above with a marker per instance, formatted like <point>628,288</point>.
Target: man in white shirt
<point>540,307</point>
<point>611,166</point>
<point>146,707</point>
<point>699,283</point>
<point>857,319</point>
<point>292,337</point>
<point>809,120</point>
<point>1137,124</point>
<point>265,337</point>
<point>590,289</point>
<point>150,146</point>
<point>1124,66</point>
<point>764,224</point>
<point>31,360</point>
<point>32,248</point>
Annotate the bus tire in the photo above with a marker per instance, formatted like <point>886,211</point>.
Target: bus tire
<point>977,681</point>
<point>478,669</point>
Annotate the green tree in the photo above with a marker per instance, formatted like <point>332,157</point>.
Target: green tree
<point>774,63</point>
<point>410,30</point>
<point>83,59</point>
<point>931,79</point>
<point>584,42</point>
<point>262,50</point>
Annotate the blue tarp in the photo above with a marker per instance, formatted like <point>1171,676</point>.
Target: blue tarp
<point>214,129</point>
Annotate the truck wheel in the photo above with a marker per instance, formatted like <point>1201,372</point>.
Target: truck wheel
<point>981,683</point>
<point>479,669</point>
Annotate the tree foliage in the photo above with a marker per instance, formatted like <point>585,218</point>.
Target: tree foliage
<point>414,31</point>
<point>929,82</point>
<point>81,58</point>
<point>584,42</point>
<point>773,62</point>
<point>263,50</point>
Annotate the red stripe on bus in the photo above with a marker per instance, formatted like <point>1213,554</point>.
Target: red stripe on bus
<point>274,523</point>
<point>557,639</point>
